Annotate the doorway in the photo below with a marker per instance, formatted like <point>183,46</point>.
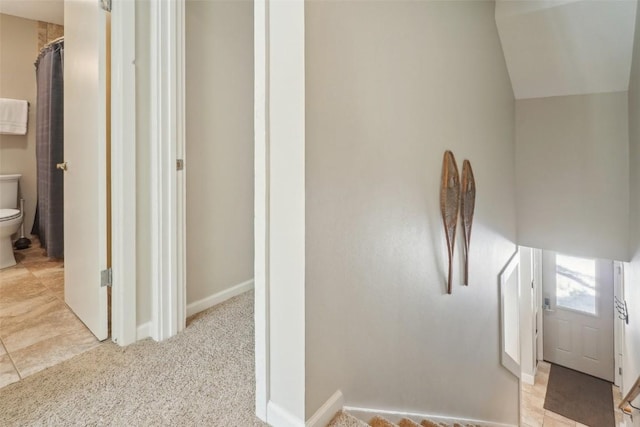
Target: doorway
<point>123,152</point>
<point>218,155</point>
<point>39,329</point>
<point>573,306</point>
<point>578,314</point>
<point>100,149</point>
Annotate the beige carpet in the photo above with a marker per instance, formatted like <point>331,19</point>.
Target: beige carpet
<point>344,419</point>
<point>202,377</point>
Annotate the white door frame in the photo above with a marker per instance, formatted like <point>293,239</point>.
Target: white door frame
<point>537,277</point>
<point>168,202</point>
<point>168,187</point>
<point>123,172</point>
<point>168,284</point>
<point>618,324</point>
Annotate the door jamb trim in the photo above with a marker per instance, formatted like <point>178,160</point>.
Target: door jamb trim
<point>168,204</point>
<point>168,302</point>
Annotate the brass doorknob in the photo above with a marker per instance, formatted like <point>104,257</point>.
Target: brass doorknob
<point>62,166</point>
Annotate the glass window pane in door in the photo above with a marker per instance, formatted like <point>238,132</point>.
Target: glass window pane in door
<point>576,283</point>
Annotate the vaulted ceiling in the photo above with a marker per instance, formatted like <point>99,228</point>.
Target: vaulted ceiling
<point>566,47</point>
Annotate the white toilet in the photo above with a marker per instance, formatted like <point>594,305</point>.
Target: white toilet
<point>10,218</point>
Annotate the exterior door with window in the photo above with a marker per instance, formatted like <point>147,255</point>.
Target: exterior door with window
<point>578,314</point>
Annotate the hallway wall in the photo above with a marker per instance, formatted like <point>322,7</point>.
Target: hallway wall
<point>389,87</point>
<point>573,174</point>
<point>219,146</point>
<point>631,363</point>
<point>18,52</point>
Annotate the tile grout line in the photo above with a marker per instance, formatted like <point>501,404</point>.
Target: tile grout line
<point>13,363</point>
<point>55,294</point>
<point>39,279</point>
<point>47,269</point>
<point>557,417</point>
<point>11,358</point>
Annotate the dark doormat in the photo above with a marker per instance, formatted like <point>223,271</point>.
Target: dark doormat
<point>580,397</point>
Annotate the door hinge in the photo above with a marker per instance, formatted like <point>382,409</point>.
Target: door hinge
<point>105,4</point>
<point>619,370</point>
<point>106,277</point>
<point>179,164</point>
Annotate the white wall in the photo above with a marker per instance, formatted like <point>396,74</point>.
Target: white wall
<point>631,361</point>
<point>389,87</point>
<point>573,174</point>
<point>18,52</point>
<point>219,145</point>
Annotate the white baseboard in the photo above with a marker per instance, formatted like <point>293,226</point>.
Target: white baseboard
<point>215,299</point>
<point>278,417</point>
<point>143,331</point>
<point>528,378</point>
<point>326,412</point>
<point>365,414</point>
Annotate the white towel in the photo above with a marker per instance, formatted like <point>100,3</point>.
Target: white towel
<point>13,116</point>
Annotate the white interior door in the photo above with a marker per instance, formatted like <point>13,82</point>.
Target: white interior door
<point>578,316</point>
<point>85,189</point>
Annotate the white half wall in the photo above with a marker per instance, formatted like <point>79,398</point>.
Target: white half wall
<point>389,87</point>
<point>573,174</point>
<point>219,146</point>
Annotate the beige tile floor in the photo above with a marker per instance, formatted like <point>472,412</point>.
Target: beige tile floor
<point>37,329</point>
<point>532,412</point>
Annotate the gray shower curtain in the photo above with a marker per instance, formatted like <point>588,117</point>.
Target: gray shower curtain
<point>48,223</point>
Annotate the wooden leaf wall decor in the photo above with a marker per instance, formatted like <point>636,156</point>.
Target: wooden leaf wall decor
<point>467,205</point>
<point>450,204</point>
